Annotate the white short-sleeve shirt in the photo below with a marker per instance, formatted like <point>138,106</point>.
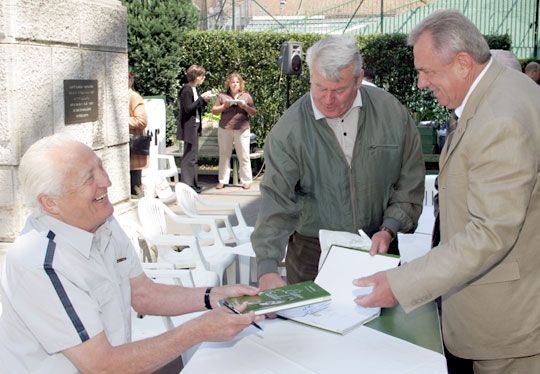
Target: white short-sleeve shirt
<point>60,287</point>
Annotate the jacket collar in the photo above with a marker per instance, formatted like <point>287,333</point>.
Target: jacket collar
<point>469,110</point>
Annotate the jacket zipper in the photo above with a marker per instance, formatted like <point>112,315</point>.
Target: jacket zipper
<point>353,195</point>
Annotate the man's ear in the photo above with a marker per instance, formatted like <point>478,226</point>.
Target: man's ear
<point>465,63</point>
<point>48,204</point>
<point>360,79</point>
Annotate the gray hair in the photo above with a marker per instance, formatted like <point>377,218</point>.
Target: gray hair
<point>40,171</point>
<point>452,33</point>
<point>531,67</point>
<point>331,55</point>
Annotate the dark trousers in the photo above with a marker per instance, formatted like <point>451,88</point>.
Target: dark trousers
<point>303,253</point>
<point>302,260</point>
<point>189,167</point>
<point>458,365</point>
<point>135,177</point>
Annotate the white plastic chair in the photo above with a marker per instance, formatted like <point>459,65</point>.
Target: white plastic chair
<point>188,199</point>
<point>152,215</point>
<point>186,272</point>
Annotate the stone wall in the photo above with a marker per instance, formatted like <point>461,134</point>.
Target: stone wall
<point>43,43</point>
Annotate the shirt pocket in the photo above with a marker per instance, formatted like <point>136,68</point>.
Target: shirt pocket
<point>110,312</point>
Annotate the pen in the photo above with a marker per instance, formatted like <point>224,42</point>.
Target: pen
<point>227,305</point>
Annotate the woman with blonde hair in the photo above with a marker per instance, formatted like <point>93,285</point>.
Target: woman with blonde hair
<point>236,107</point>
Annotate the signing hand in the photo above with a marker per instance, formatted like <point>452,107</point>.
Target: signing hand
<point>381,296</point>
<point>221,324</point>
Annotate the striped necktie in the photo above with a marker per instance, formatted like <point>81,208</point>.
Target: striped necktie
<point>452,124</point>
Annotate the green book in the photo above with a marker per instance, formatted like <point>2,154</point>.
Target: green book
<point>287,297</point>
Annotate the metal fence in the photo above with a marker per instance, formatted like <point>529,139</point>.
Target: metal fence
<point>517,18</point>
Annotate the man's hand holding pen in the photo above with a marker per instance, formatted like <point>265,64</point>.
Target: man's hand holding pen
<point>219,323</point>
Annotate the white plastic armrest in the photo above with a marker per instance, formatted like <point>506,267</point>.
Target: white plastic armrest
<point>171,240</point>
<point>225,205</point>
<point>217,204</point>
<point>169,158</point>
<point>165,273</point>
<point>157,265</point>
<point>199,220</point>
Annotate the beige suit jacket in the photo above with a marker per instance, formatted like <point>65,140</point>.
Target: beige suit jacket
<point>487,267</point>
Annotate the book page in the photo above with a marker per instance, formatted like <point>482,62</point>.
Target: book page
<point>341,266</point>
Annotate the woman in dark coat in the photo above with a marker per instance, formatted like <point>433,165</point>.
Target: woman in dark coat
<point>189,128</point>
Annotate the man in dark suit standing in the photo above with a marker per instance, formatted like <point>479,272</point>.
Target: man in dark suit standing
<point>189,127</point>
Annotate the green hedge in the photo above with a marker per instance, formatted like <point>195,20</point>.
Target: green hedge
<point>163,44</point>
<point>155,32</point>
<point>254,56</point>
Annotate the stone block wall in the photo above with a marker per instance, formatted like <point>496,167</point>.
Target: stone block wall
<point>43,43</point>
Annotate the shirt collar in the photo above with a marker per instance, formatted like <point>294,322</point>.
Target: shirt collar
<point>459,109</point>
<point>79,239</point>
<point>356,103</point>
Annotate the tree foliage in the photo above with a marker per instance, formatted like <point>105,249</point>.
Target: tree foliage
<point>155,32</point>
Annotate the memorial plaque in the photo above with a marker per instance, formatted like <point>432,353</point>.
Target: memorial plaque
<point>80,101</point>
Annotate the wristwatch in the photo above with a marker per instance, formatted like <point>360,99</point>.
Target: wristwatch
<point>384,228</point>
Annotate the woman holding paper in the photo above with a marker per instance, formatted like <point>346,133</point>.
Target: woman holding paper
<point>191,106</point>
<point>236,107</point>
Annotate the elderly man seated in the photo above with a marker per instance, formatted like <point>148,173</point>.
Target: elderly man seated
<point>72,276</point>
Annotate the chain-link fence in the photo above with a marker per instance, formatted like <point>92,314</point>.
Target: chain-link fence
<point>517,18</point>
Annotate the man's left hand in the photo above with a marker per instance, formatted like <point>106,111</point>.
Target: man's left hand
<point>380,242</point>
<point>380,296</point>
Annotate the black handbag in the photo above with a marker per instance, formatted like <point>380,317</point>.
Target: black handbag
<point>140,144</point>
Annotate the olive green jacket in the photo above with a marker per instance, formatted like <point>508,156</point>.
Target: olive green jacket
<point>308,184</point>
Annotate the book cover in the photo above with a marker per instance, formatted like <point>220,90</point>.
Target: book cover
<point>340,267</point>
<point>276,299</point>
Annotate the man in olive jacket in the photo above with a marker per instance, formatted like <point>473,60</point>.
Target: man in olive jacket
<point>343,157</point>
<point>487,265</point>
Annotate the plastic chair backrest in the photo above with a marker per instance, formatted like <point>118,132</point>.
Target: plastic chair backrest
<point>152,213</point>
<point>152,216</point>
<point>186,197</point>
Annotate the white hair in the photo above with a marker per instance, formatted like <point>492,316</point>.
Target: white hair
<point>331,55</point>
<point>40,171</point>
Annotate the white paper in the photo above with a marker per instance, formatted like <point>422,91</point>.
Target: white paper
<point>341,266</point>
<point>328,238</point>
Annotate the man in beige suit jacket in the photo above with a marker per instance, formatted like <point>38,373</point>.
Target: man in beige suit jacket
<point>487,266</point>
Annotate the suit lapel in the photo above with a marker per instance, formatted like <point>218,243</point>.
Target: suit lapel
<point>469,111</point>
